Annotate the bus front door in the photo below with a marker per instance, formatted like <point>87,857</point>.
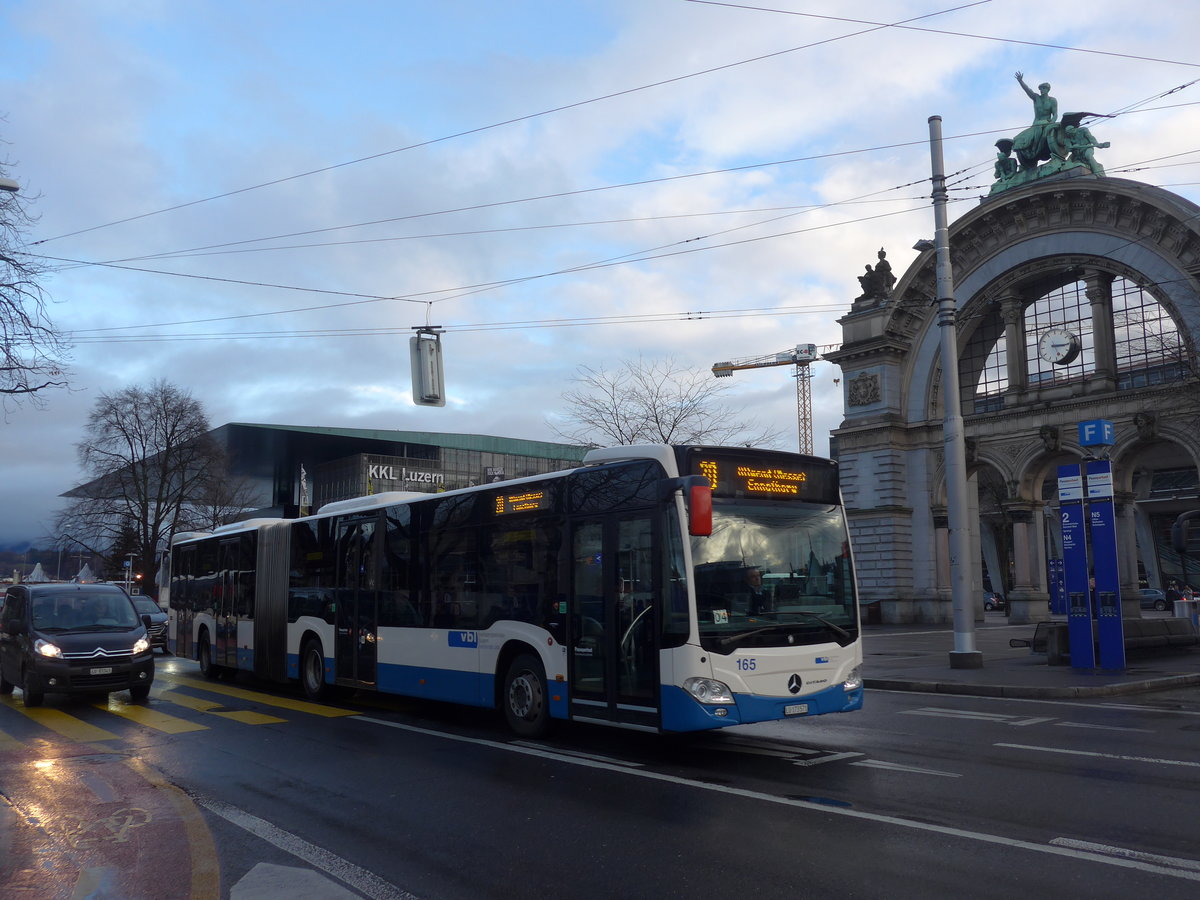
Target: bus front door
<point>356,619</point>
<point>614,647</point>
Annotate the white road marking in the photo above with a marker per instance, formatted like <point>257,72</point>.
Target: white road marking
<point>832,757</point>
<point>1096,755</point>
<point>956,714</point>
<point>896,767</point>
<point>1039,720</point>
<point>618,762</point>
<point>1173,861</point>
<point>366,883</point>
<point>1104,727</point>
<point>811,806</point>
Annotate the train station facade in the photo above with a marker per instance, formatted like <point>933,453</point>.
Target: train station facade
<point>1078,298</point>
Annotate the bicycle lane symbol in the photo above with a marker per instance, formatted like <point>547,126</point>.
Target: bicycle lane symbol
<point>112,829</point>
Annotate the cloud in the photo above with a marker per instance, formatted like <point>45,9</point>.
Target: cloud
<point>120,110</point>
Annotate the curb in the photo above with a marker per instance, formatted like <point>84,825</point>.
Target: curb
<point>1033,692</point>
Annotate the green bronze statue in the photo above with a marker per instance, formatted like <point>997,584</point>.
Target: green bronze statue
<point>1050,146</point>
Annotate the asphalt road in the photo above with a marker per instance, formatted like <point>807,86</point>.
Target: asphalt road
<point>250,793</point>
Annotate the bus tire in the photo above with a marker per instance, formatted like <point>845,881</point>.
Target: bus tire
<point>312,670</point>
<point>526,707</point>
<point>207,669</point>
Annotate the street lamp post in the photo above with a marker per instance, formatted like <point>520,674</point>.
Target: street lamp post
<point>7,184</point>
<point>954,445</point>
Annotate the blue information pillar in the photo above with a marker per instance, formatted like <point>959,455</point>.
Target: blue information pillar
<point>1110,629</point>
<point>1075,566</point>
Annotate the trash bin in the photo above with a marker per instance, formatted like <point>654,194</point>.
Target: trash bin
<point>1188,609</point>
<point>1058,644</point>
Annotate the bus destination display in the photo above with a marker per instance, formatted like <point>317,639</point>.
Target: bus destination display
<point>767,477</point>
<point>524,501</point>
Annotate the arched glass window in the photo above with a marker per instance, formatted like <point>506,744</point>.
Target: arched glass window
<point>1149,348</point>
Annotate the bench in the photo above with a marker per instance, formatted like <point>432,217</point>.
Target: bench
<point>1053,638</point>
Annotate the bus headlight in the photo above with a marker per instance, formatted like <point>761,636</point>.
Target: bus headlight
<point>708,690</point>
<point>45,648</point>
<point>854,680</point>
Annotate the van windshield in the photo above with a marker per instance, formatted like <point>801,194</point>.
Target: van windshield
<point>76,610</point>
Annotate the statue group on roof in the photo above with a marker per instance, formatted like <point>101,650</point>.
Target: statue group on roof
<point>1047,147</point>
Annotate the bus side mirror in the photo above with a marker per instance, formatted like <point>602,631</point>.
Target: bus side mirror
<point>697,499</point>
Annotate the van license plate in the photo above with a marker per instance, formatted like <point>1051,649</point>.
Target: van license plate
<point>105,670</point>
<point>796,709</point>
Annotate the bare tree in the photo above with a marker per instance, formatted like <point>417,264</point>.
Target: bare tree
<point>148,456</point>
<point>656,402</point>
<point>31,348</point>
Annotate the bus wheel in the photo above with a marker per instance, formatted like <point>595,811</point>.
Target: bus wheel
<point>524,698</point>
<point>312,670</point>
<point>207,669</point>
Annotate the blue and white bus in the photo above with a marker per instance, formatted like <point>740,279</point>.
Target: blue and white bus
<point>661,588</point>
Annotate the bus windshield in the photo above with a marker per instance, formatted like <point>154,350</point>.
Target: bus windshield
<point>774,575</point>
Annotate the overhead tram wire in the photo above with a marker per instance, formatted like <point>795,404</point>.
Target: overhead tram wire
<point>196,251</point>
<point>904,26</point>
<point>483,128</point>
<point>474,288</point>
<point>520,325</point>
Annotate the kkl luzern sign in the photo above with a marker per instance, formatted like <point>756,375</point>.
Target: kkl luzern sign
<point>403,474</point>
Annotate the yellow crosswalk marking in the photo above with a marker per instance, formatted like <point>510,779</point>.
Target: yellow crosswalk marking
<point>8,742</point>
<point>212,687</point>
<point>151,718</point>
<point>68,726</point>
<point>212,707</point>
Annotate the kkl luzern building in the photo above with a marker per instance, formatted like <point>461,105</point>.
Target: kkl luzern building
<point>1078,299</point>
<point>295,468</point>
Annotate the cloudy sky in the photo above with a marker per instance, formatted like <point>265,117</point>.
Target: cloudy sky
<point>258,201</point>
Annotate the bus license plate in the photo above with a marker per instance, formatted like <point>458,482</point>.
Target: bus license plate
<point>796,709</point>
<point>104,670</point>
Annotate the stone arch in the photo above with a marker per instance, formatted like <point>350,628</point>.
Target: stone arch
<point>1008,252</point>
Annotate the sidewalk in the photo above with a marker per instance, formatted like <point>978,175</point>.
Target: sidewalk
<point>917,658</point>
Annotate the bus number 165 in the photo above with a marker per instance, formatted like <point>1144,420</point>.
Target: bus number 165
<point>748,664</point>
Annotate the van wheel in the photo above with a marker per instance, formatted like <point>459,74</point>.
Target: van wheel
<point>6,686</point>
<point>139,693</point>
<point>33,695</point>
<point>524,698</point>
<point>312,670</point>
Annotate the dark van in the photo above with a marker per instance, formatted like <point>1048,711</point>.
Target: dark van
<point>72,639</point>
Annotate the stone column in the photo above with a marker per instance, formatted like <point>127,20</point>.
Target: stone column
<point>939,608</point>
<point>1027,602</point>
<point>1012,311</point>
<point>1127,569</point>
<point>1104,346</point>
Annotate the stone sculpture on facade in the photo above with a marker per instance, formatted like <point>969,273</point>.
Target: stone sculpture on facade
<point>1050,146</point>
<point>877,282</point>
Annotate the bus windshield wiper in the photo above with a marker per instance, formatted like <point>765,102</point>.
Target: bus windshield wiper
<point>836,629</point>
<point>734,639</point>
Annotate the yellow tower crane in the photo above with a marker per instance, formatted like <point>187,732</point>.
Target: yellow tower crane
<point>799,356</point>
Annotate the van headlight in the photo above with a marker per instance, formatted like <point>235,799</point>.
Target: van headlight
<point>854,680</point>
<point>141,645</point>
<point>708,690</point>
<point>45,648</point>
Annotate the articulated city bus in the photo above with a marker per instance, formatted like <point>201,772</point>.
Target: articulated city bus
<point>660,588</point>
